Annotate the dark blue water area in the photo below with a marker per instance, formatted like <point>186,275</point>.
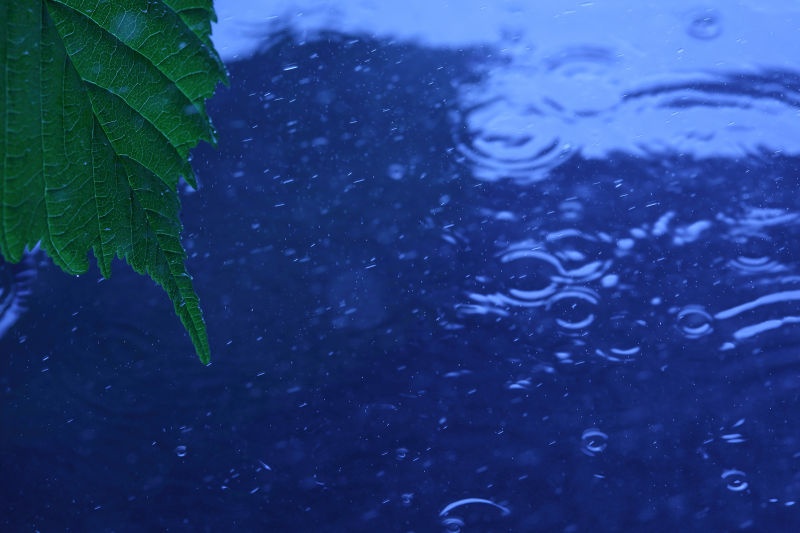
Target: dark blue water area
<point>400,346</point>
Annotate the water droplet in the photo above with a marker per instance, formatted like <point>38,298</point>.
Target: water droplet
<point>401,453</point>
<point>180,451</point>
<point>694,322</point>
<point>735,480</point>
<point>593,442</point>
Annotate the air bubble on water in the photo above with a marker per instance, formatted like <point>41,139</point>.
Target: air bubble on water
<point>453,525</point>
<point>396,172</point>
<point>180,451</point>
<point>705,25</point>
<point>571,210</point>
<point>593,442</point>
<point>694,322</point>
<point>735,480</point>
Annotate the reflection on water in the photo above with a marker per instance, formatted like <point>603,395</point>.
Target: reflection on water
<point>588,102</point>
<point>16,285</point>
<point>547,289</point>
<point>689,80</point>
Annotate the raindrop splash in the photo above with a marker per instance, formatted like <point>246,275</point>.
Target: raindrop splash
<point>735,480</point>
<point>593,442</point>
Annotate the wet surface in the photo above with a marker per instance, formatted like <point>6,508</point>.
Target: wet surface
<point>436,309</point>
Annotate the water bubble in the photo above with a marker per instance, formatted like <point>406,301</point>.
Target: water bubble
<point>571,210</point>
<point>406,498</point>
<point>735,480</point>
<point>705,25</point>
<point>401,453</point>
<point>180,451</point>
<point>396,172</point>
<point>453,525</point>
<point>593,442</point>
<point>694,322</point>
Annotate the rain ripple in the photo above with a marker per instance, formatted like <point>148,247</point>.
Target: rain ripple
<point>551,275</point>
<point>735,480</point>
<point>593,442</point>
<point>761,326</point>
<point>529,117</point>
<point>694,322</point>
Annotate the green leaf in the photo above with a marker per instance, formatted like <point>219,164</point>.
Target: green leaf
<point>101,102</point>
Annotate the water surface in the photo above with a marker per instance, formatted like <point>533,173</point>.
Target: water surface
<point>486,284</point>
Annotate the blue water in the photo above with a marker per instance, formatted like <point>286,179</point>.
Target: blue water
<point>448,288</point>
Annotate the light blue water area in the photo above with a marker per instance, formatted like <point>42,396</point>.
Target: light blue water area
<point>465,267</point>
